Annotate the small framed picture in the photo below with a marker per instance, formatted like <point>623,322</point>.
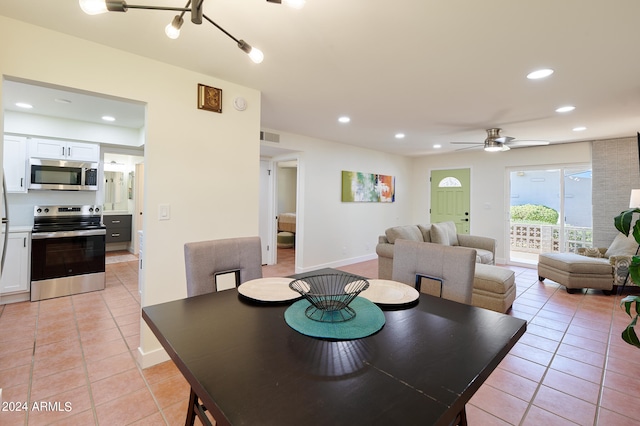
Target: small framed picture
<point>209,98</point>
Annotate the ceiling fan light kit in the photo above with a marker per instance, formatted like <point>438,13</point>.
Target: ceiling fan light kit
<point>172,30</point>
<point>497,143</point>
<point>494,146</point>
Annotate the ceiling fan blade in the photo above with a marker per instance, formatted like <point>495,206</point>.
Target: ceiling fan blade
<point>504,139</point>
<point>477,146</point>
<point>467,143</point>
<point>527,143</point>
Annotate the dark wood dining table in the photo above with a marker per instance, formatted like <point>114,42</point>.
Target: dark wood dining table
<point>248,367</point>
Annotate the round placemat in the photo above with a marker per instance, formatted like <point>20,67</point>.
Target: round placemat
<point>368,320</point>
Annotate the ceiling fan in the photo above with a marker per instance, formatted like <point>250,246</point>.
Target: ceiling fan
<point>494,142</point>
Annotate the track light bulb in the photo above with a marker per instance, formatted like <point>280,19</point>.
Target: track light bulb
<point>294,4</point>
<point>93,7</point>
<point>173,29</point>
<point>256,55</point>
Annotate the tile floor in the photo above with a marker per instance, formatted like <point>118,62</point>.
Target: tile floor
<point>571,367</point>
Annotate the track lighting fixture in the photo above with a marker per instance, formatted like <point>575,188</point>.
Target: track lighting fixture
<point>94,7</point>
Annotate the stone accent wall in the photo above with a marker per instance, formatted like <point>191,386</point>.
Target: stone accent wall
<point>616,171</point>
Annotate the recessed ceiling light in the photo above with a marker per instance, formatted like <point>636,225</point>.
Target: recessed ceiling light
<point>344,119</point>
<point>399,135</point>
<point>108,118</point>
<point>535,75</point>
<point>24,105</point>
<point>437,146</point>
<point>565,108</point>
<point>579,129</point>
<point>62,101</point>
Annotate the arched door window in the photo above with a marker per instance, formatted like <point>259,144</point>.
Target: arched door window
<point>449,182</point>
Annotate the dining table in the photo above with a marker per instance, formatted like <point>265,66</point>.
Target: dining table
<point>248,366</point>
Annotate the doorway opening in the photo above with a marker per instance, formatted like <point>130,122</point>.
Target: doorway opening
<point>123,181</point>
<point>286,211</point>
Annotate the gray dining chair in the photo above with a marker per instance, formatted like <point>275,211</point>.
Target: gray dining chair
<point>452,267</point>
<point>206,260</point>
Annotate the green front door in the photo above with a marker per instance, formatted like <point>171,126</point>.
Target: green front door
<point>450,197</point>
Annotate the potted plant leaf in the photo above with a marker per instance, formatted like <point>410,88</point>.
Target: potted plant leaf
<point>631,304</point>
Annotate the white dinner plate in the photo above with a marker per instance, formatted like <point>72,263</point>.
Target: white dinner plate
<point>388,292</point>
<point>272,289</point>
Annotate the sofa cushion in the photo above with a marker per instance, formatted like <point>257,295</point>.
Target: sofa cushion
<point>444,233</point>
<point>622,246</point>
<point>426,232</point>
<point>484,256</point>
<point>493,279</point>
<point>407,232</point>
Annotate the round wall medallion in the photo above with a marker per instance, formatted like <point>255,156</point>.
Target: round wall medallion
<point>240,103</point>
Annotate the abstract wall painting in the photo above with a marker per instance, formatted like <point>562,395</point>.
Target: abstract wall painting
<point>358,187</point>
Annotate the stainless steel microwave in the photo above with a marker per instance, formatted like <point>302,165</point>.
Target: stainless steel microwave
<point>63,175</point>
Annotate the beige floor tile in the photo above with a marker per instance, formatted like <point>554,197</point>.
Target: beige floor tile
<point>85,347</point>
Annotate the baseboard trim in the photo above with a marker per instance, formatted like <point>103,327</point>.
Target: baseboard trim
<point>149,359</point>
<point>338,263</point>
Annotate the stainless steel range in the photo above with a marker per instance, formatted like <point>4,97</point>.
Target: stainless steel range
<point>67,251</point>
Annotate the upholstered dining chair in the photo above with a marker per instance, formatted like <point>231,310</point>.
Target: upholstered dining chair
<point>206,260</point>
<point>453,267</point>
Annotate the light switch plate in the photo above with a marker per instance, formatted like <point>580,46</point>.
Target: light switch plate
<point>164,212</point>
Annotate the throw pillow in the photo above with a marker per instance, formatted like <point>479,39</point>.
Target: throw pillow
<point>444,233</point>
<point>407,232</point>
<point>591,252</point>
<point>622,246</point>
<point>426,232</point>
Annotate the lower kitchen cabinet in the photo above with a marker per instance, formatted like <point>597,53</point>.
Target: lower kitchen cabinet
<point>15,276</point>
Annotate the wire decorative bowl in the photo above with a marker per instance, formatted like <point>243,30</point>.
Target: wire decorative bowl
<point>330,295</point>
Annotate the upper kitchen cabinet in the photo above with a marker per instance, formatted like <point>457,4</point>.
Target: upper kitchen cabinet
<point>15,163</point>
<point>64,150</point>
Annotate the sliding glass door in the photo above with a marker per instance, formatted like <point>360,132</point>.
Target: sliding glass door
<point>549,211</point>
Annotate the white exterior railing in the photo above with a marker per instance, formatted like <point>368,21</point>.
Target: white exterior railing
<point>537,238</point>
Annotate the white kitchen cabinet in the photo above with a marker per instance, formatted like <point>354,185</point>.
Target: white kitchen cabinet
<point>15,276</point>
<point>64,150</point>
<point>15,163</point>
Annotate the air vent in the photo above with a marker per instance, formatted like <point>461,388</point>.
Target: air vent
<point>269,137</point>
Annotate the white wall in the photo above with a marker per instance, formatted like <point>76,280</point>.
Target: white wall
<point>204,165</point>
<point>334,233</point>
<point>42,126</point>
<point>287,189</point>
<point>489,202</point>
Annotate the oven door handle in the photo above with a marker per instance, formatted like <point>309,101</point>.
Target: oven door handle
<point>64,234</point>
